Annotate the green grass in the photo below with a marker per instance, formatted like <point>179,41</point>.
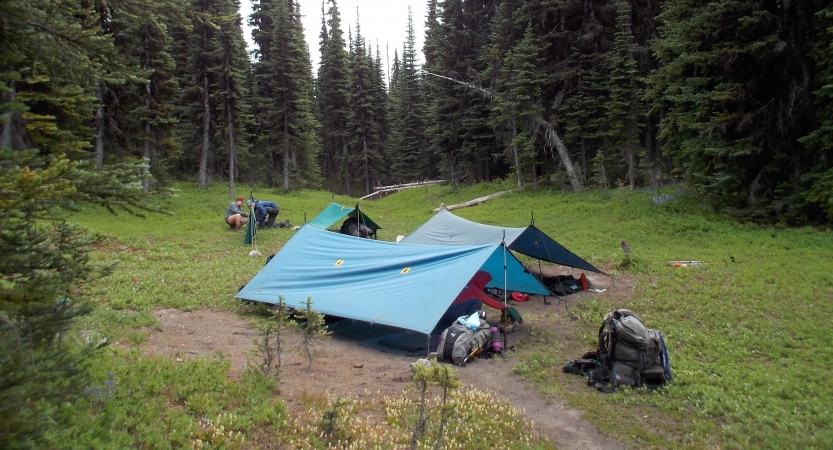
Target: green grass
<point>747,332</point>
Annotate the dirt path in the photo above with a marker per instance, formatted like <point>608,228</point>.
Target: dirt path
<point>344,368</point>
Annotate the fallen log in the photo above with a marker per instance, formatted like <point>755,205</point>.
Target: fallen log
<point>476,201</point>
<point>381,191</point>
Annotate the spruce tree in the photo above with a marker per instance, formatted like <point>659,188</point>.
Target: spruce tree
<point>47,124</point>
<point>735,81</point>
<point>460,116</point>
<point>287,128</point>
<point>819,179</point>
<point>334,98</point>
<point>197,108</point>
<point>518,101</point>
<point>381,115</point>
<point>408,151</point>
<point>232,75</point>
<point>624,111</point>
<point>432,154</point>
<point>46,105</point>
<point>362,164</point>
<point>135,115</point>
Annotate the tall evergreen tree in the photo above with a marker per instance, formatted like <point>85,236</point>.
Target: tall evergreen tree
<point>381,115</point>
<point>624,111</point>
<point>518,101</point>
<point>232,74</point>
<point>362,163</point>
<point>54,53</point>
<point>735,82</point>
<point>819,179</point>
<point>460,116</point>
<point>198,110</point>
<point>135,115</point>
<point>287,130</point>
<point>334,85</point>
<point>408,152</point>
<point>45,105</point>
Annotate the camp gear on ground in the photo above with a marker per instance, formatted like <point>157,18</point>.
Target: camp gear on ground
<point>335,212</point>
<point>519,297</point>
<point>495,338</point>
<point>512,318</point>
<point>472,321</point>
<point>459,342</point>
<point>628,354</point>
<point>565,284</point>
<point>352,227</point>
<point>581,366</point>
<point>455,311</point>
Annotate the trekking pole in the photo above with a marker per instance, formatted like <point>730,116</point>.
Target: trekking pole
<point>505,314</point>
<point>473,353</point>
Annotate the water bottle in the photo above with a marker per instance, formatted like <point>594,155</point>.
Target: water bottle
<point>495,340</point>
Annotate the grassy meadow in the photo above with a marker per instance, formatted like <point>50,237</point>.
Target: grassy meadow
<point>746,331</point>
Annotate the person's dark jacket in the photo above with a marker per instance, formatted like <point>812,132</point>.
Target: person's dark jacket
<point>260,209</point>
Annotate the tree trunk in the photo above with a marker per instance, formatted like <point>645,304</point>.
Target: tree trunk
<point>146,150</point>
<point>99,126</point>
<point>232,153</point>
<point>476,201</point>
<point>206,133</point>
<point>11,128</point>
<point>649,135</point>
<point>534,175</point>
<point>347,168</point>
<point>366,167</point>
<point>515,153</point>
<point>285,154</point>
<point>553,140</point>
<point>7,126</point>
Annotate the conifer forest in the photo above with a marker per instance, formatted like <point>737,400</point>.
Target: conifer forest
<point>730,97</point>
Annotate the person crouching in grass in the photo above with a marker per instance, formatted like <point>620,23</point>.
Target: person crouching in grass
<point>235,216</point>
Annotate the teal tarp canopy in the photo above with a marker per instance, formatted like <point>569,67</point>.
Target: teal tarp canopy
<point>336,212</point>
<point>447,229</point>
<point>401,285</point>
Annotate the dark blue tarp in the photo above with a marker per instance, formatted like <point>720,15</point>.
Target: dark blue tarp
<point>447,229</point>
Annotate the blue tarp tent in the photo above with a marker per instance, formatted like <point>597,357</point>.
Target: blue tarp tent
<point>447,229</point>
<point>335,212</point>
<point>401,285</point>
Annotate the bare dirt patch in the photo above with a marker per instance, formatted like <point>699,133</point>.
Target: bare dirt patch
<point>344,368</point>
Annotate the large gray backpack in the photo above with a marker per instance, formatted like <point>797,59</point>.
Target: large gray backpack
<point>459,341</point>
<point>630,353</point>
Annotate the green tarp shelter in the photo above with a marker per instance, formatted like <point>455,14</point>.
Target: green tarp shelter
<point>335,213</point>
